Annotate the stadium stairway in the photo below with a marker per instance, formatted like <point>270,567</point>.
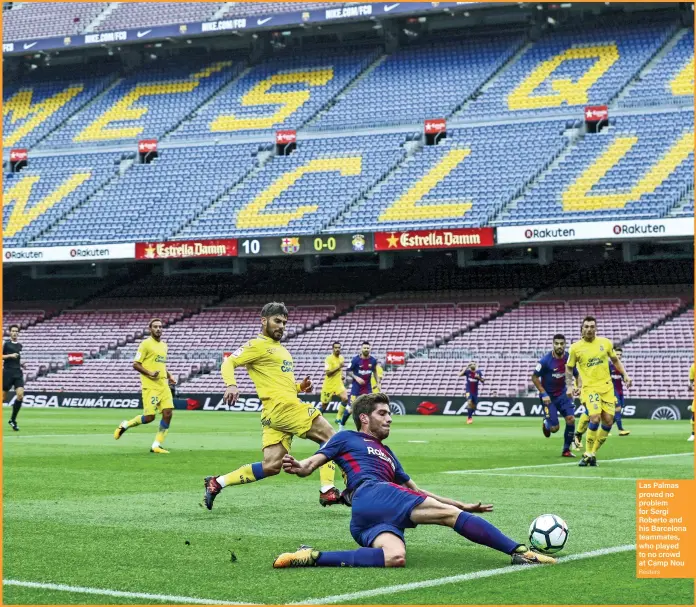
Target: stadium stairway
<point>498,74</point>
<point>351,85</point>
<point>501,217</point>
<point>669,44</point>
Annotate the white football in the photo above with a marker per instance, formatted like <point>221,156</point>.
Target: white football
<point>548,533</point>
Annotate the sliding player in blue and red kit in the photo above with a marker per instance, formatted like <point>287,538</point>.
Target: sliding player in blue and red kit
<point>549,379</point>
<point>473,379</point>
<point>363,369</point>
<point>385,501</point>
<point>617,380</point>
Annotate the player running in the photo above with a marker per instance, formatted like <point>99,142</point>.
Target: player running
<point>692,373</point>
<point>12,373</point>
<point>385,501</point>
<point>284,416</point>
<point>151,362</point>
<point>473,379</point>
<point>617,380</point>
<point>591,355</point>
<point>363,372</point>
<point>333,380</point>
<point>549,378</point>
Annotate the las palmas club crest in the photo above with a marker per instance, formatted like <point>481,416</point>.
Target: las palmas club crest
<point>290,245</point>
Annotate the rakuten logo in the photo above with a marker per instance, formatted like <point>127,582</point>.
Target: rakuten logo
<point>625,229</point>
<point>90,253</point>
<point>11,255</point>
<point>548,233</point>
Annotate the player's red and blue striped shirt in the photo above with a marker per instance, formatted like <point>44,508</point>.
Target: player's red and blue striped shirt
<point>362,457</point>
<point>364,369</point>
<point>617,380</point>
<point>472,381</point>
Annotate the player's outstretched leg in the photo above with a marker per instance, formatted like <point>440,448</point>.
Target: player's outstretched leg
<point>131,423</point>
<point>568,435</point>
<point>340,412</point>
<point>248,473</point>
<point>320,432</point>
<point>471,407</point>
<point>691,438</point>
<point>619,423</point>
<point>476,529</point>
<point>386,550</point>
<point>16,406</point>
<point>581,428</point>
<point>162,432</point>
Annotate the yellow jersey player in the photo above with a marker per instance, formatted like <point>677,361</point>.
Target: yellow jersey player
<point>591,355</point>
<point>692,371</point>
<point>284,415</point>
<point>376,380</point>
<point>151,362</point>
<point>333,379</point>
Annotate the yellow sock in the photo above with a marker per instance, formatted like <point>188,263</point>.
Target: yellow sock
<point>602,434</point>
<point>161,433</point>
<point>590,440</point>
<point>326,475</point>
<point>136,421</point>
<point>340,412</point>
<point>248,473</point>
<point>582,424</point>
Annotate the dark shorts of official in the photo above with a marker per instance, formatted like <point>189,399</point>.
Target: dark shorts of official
<point>12,379</point>
<point>380,507</point>
<point>560,404</point>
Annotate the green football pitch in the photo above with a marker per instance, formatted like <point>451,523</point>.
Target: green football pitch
<point>88,519</point>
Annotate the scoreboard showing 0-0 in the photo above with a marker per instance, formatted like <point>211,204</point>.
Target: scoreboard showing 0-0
<point>322,244</point>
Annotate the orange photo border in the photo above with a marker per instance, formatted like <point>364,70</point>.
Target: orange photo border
<point>1,306</point>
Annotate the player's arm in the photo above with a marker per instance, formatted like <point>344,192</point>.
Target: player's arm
<point>479,507</point>
<point>692,373</point>
<point>248,353</point>
<point>305,385</point>
<point>378,379</point>
<point>330,373</point>
<point>140,356</point>
<point>6,356</point>
<point>537,384</point>
<point>570,373</point>
<point>353,373</point>
<point>481,378</point>
<point>620,368</point>
<point>304,467</point>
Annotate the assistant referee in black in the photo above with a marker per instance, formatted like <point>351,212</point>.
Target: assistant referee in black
<point>12,374</point>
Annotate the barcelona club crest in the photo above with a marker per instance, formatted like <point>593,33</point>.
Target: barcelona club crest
<point>358,242</point>
<point>290,245</point>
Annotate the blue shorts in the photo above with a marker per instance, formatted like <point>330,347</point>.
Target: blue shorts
<point>560,404</point>
<point>380,507</point>
<point>358,390</point>
<point>619,399</point>
<point>473,398</point>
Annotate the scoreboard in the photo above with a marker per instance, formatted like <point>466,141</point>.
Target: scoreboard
<point>321,244</point>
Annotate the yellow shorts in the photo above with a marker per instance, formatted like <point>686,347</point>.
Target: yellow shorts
<point>328,390</point>
<point>155,401</point>
<point>283,422</point>
<point>595,402</point>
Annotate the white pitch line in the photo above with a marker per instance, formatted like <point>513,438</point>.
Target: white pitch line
<point>189,600</point>
<point>618,459</point>
<point>568,478</point>
<point>454,579</point>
